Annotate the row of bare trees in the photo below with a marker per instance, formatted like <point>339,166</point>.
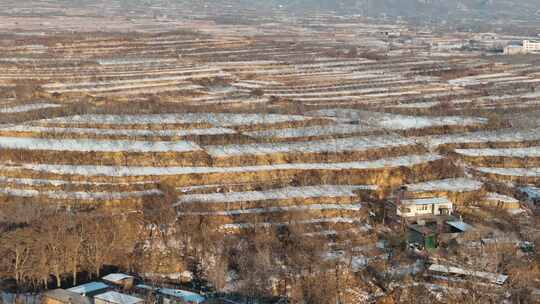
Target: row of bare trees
<point>43,246</point>
<point>60,244</point>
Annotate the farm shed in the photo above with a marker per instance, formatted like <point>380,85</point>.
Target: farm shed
<point>113,297</point>
<point>458,226</point>
<point>169,295</point>
<point>430,235</point>
<point>423,236</point>
<point>500,201</point>
<point>62,296</point>
<point>173,295</point>
<point>532,193</point>
<point>90,289</point>
<point>120,279</point>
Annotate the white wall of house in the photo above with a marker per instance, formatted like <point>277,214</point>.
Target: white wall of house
<point>416,208</point>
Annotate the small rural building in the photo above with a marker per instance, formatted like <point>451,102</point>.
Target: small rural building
<point>458,226</point>
<point>423,236</point>
<point>119,279</point>
<point>113,297</point>
<point>62,296</point>
<point>429,236</point>
<point>432,206</point>
<point>182,296</point>
<point>90,289</point>
<point>513,50</point>
<point>531,193</point>
<point>500,201</point>
<point>169,295</point>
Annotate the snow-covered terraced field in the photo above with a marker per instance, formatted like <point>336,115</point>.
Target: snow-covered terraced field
<point>502,136</point>
<point>80,195</point>
<point>150,81</point>
<point>89,145</point>
<point>216,119</point>
<point>396,121</point>
<point>314,131</point>
<point>116,132</point>
<point>142,87</point>
<point>326,93</point>
<point>328,220</point>
<point>27,107</point>
<point>416,105</point>
<point>508,152</point>
<point>142,90</point>
<point>485,78</point>
<point>447,185</point>
<point>516,172</point>
<point>124,171</point>
<point>274,194</point>
<point>314,207</point>
<point>219,100</point>
<point>61,87</point>
<point>379,81</point>
<point>336,145</point>
<point>21,182</point>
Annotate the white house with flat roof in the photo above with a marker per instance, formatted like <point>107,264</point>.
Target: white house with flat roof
<point>424,207</point>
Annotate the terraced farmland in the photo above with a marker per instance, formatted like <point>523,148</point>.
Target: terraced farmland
<point>220,110</point>
<point>236,144</point>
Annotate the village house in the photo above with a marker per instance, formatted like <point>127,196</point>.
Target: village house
<point>61,296</point>
<point>432,206</point>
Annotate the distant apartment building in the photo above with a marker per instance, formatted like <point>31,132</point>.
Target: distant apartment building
<point>531,46</point>
<point>527,47</point>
